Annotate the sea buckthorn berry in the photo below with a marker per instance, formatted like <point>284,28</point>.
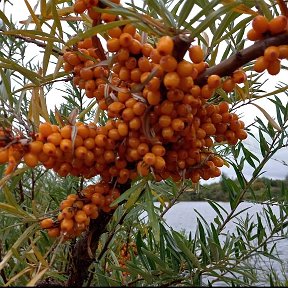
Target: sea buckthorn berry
<point>228,85</point>
<point>107,17</point>
<point>49,149</point>
<point>142,168</point>
<point>67,225</point>
<point>158,150</point>
<point>171,80</point>
<point>271,53</point>
<point>53,232</point>
<point>165,45</point>
<point>80,216</point>
<point>86,74</point>
<point>260,24</point>
<point>177,124</point>
<point>196,54</point>
<point>46,223</point>
<point>184,68</point>
<point>45,129</point>
<point>252,35</point>
<point>206,92</point>
<point>159,163</point>
<point>214,81</point>
<point>168,63</point>
<point>146,49</point>
<point>30,159</point>
<point>283,51</point>
<point>115,32</point>
<point>129,28</point>
<point>260,64</point>
<point>274,67</point>
<point>125,39</point>
<point>98,199</point>
<point>113,45</point>
<point>278,24</point>
<point>139,108</point>
<point>79,7</point>
<point>36,147</point>
<point>149,158</point>
<point>135,47</point>
<point>154,97</point>
<point>239,76</point>
<point>55,138</point>
<point>116,107</point>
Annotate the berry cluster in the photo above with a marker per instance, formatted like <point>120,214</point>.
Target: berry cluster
<point>125,255</point>
<point>77,210</point>
<point>162,120</point>
<point>80,6</point>
<point>262,28</point>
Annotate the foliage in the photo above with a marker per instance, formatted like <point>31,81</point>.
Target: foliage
<point>137,247</point>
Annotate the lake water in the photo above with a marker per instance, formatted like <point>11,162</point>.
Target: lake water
<point>182,217</point>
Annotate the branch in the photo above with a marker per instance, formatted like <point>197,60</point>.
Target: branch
<point>237,60</point>
<point>36,42</point>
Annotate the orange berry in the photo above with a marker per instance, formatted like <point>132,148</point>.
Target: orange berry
<point>158,150</point>
<point>274,67</point>
<point>54,138</point>
<point>260,64</point>
<point>80,216</point>
<point>283,51</point>
<point>36,147</point>
<point>252,35</point>
<point>129,28</point>
<point>159,163</point>
<point>177,124</point>
<point>45,129</point>
<point>116,107</point>
<point>260,24</point>
<point>214,81</point>
<point>79,7</point>
<point>113,45</point>
<point>228,85</point>
<point>171,80</point>
<point>98,199</point>
<point>168,63</point>
<point>142,168</point>
<point>165,45</point>
<point>196,54</point>
<point>46,223</point>
<point>271,53</point>
<point>81,152</point>
<point>30,159</point>
<point>68,212</point>
<point>278,24</point>
<point>149,158</point>
<point>115,32</point>
<point>49,149</point>
<point>53,232</point>
<point>206,92</point>
<point>239,76</point>
<point>67,225</point>
<point>125,39</point>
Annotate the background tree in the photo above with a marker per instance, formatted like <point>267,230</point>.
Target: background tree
<point>151,95</point>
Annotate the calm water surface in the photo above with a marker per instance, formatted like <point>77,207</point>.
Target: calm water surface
<point>182,217</point>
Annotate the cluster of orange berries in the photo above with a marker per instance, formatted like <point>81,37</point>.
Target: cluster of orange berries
<point>148,88</point>
<point>125,255</point>
<point>78,209</point>
<point>261,28</point>
<point>80,6</point>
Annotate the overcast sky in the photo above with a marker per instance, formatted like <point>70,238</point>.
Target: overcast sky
<point>274,168</point>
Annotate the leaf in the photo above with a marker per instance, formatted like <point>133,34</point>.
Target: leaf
<point>5,19</point>
<point>16,245</point>
<point>187,252</point>
<point>242,8</point>
<point>95,30</point>
<point>268,117</point>
<point>55,17</point>
<point>37,277</point>
<point>127,193</point>
<point>19,274</point>
<point>185,11</point>
<point>32,14</point>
